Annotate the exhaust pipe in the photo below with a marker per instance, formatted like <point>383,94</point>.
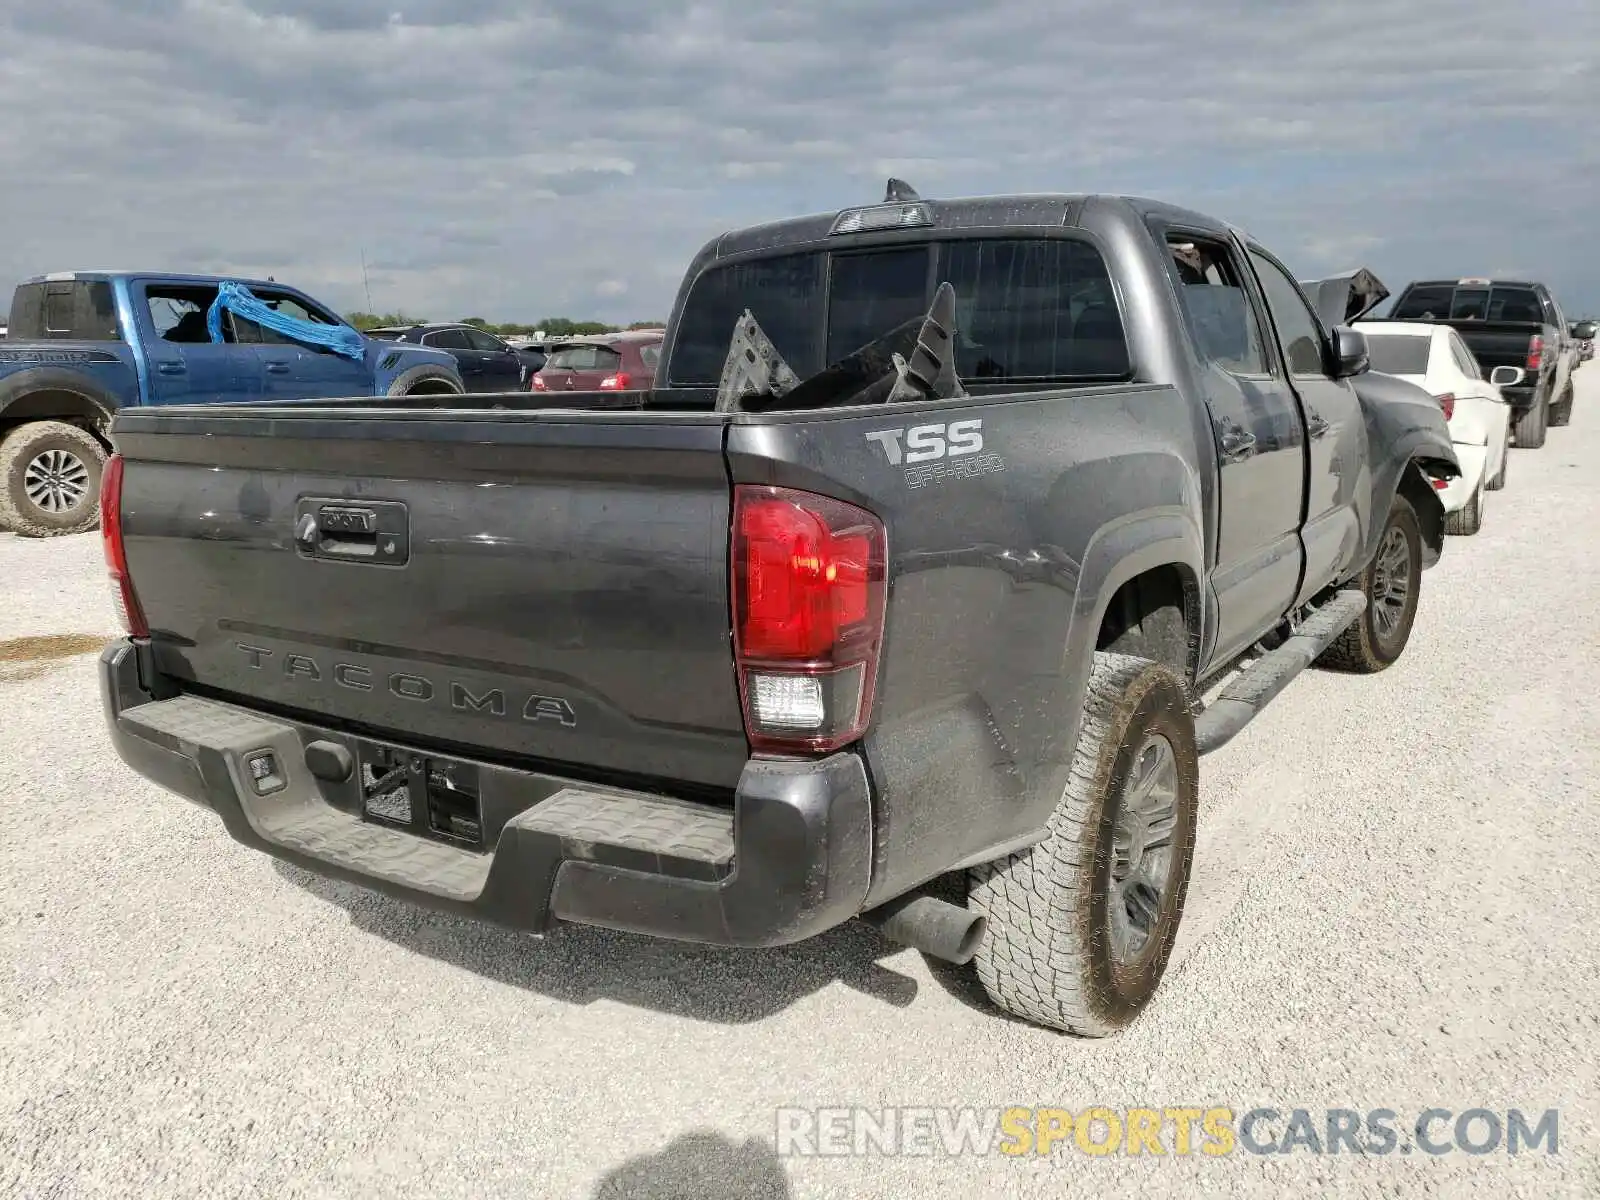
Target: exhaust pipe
<point>931,925</point>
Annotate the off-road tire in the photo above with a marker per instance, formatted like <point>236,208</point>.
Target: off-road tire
<point>1468,519</point>
<point>1531,426</point>
<point>407,382</point>
<point>1047,955</point>
<point>1561,410</point>
<point>22,447</point>
<point>1365,648</point>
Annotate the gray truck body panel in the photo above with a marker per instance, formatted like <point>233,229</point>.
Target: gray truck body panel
<point>564,609</point>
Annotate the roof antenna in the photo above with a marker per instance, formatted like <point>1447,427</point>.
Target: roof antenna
<point>899,191</point>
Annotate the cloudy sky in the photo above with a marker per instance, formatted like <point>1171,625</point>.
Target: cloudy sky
<point>513,159</point>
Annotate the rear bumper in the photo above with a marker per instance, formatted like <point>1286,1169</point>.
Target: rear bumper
<point>790,860</point>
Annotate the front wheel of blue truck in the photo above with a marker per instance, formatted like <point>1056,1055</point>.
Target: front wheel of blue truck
<point>50,479</point>
<point>1081,926</point>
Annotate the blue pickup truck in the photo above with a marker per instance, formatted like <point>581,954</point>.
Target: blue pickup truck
<point>83,344</point>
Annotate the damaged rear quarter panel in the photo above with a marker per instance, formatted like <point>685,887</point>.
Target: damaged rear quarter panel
<point>1405,425</point>
<point>1001,565</point>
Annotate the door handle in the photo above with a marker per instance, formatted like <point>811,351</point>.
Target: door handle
<point>1238,443</point>
<point>1316,426</point>
<point>171,368</point>
<point>278,368</point>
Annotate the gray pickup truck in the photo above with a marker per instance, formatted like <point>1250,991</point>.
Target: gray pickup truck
<point>953,533</point>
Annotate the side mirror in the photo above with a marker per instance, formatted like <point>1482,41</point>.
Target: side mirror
<point>1350,353</point>
<point>1584,330</point>
<point>1507,376</point>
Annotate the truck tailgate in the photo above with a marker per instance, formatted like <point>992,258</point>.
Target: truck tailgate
<point>547,586</point>
<point>1498,343</point>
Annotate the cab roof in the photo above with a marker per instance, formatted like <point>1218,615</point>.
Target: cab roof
<point>153,277</point>
<point>1016,211</point>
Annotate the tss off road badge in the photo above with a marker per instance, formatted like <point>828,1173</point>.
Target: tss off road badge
<point>934,453</point>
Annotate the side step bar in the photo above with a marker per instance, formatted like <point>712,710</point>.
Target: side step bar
<point>1243,699</point>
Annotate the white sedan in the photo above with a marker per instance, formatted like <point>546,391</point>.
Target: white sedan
<point>1435,358</point>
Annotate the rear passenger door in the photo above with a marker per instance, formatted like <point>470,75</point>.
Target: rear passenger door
<point>185,365</point>
<point>499,366</point>
<point>454,340</point>
<point>1259,440</point>
<point>1338,492</point>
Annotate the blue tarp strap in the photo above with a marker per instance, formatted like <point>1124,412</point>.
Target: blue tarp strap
<point>237,299</point>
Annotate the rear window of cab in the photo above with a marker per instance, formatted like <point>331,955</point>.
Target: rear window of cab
<point>1027,309</point>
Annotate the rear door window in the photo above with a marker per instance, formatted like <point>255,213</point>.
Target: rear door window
<point>178,314</point>
<point>1224,321</point>
<point>447,339</point>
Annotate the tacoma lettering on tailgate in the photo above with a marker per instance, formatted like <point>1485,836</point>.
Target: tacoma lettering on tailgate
<point>410,686</point>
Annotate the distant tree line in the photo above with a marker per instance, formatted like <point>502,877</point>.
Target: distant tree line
<point>554,326</point>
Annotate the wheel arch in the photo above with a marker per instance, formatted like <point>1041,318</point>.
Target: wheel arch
<point>1414,485</point>
<point>1132,569</point>
<point>54,395</point>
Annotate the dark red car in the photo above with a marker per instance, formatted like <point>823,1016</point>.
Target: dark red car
<point>608,362</point>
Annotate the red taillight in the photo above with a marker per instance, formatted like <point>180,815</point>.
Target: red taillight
<point>538,383</point>
<point>615,383</point>
<point>1439,485</point>
<point>1535,352</point>
<point>1448,403</point>
<point>808,592</point>
<point>124,599</point>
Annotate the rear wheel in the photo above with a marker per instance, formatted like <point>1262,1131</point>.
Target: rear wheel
<point>1561,411</point>
<point>1530,428</point>
<point>50,479</point>
<point>1467,520</point>
<point>1391,583</point>
<point>1499,480</point>
<point>1081,926</point>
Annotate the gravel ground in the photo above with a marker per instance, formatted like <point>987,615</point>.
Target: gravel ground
<point>1394,907</point>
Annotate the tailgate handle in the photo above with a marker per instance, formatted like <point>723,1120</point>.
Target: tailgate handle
<point>376,532</point>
